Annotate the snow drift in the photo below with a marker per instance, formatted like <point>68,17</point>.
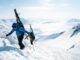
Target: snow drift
<point>53,42</point>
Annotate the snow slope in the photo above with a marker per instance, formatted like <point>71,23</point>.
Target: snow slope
<point>53,42</point>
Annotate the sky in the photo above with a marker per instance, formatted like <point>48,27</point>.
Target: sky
<point>41,9</point>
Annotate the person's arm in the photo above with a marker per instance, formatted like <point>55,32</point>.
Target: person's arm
<point>26,37</point>
<point>26,32</point>
<point>10,32</point>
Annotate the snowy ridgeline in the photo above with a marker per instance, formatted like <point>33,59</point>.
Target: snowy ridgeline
<point>53,42</point>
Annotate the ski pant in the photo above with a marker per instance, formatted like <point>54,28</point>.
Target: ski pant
<point>20,38</point>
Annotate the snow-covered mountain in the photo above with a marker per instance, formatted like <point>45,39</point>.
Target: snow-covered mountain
<point>53,41</point>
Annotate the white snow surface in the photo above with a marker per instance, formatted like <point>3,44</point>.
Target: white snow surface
<point>52,42</point>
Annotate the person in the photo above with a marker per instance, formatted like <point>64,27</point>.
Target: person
<point>31,36</point>
<point>77,29</point>
<point>20,30</point>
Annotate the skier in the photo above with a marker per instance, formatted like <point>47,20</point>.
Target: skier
<point>77,29</point>
<point>20,30</point>
<point>31,36</point>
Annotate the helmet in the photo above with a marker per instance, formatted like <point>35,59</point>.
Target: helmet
<point>14,25</point>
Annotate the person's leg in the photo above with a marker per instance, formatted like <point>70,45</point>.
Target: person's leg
<point>20,38</point>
